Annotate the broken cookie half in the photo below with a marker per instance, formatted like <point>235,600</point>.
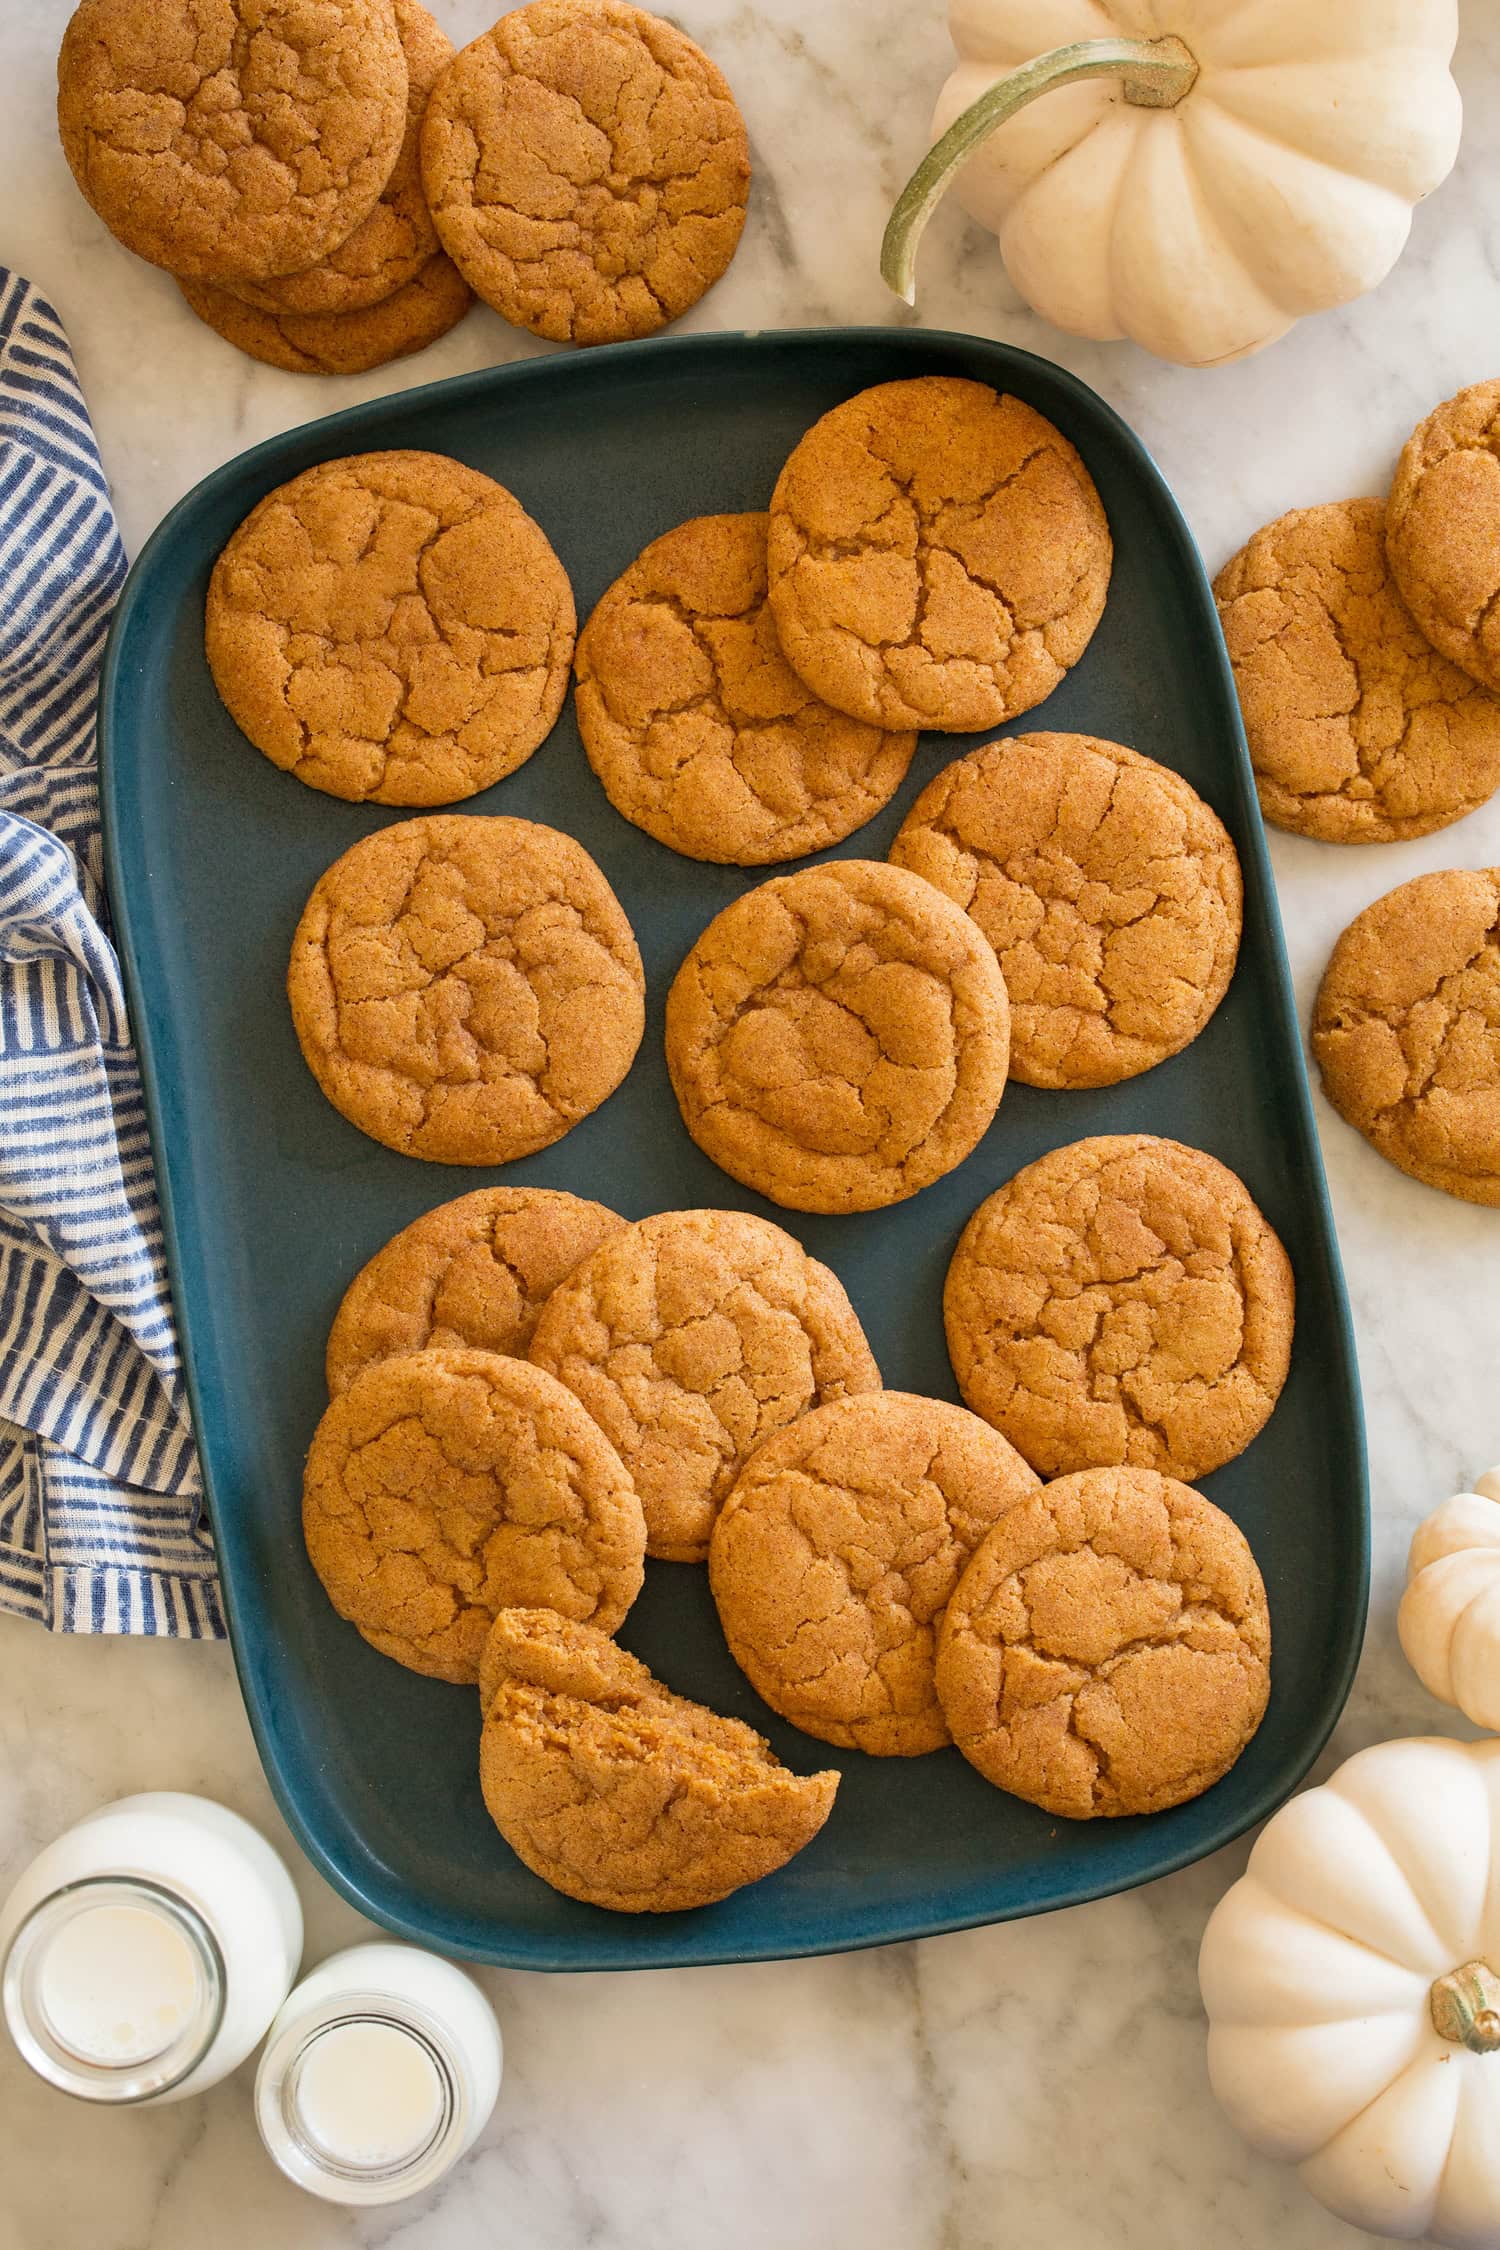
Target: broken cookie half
<point>619,1793</point>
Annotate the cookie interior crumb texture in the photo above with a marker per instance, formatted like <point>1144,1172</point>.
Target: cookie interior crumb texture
<point>1108,1648</point>
<point>618,1792</point>
<point>1108,888</point>
<point>1443,529</point>
<point>1406,1030</point>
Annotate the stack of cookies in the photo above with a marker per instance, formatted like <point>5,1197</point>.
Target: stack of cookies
<point>332,185</point>
<point>1366,649</point>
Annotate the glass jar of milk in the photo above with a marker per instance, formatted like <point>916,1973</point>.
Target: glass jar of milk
<point>379,2073</point>
<point>145,1952</point>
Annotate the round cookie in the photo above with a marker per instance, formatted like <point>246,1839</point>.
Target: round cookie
<point>692,1337</point>
<point>1359,731</point>
<point>1121,1302</point>
<point>391,628</point>
<point>466,989</point>
<point>447,1485</point>
<point>343,343</point>
<point>393,245</point>
<point>1442,529</point>
<point>616,1791</point>
<point>938,556</point>
<point>837,1551</point>
<point>474,1272</point>
<point>837,1038</point>
<point>1406,1030</point>
<point>1108,888</point>
<point>234,141</point>
<point>587,169</point>
<point>699,729</point>
<point>1108,1648</point>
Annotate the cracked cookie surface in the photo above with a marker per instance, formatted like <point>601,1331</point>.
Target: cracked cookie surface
<point>447,1485</point>
<point>939,556</point>
<point>837,1551</point>
<point>692,1337</point>
<point>618,1792</point>
<point>465,989</point>
<point>699,729</point>
<point>587,169</point>
<point>391,628</point>
<point>232,139</point>
<point>837,1038</point>
<point>474,1272</point>
<point>1360,732</point>
<point>1406,1030</point>
<point>339,343</point>
<point>391,247</point>
<point>1108,888</point>
<point>1122,1301</point>
<point>1442,529</point>
<point>1108,1648</point>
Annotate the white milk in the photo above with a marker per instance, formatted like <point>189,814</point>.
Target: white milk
<point>379,2072</point>
<point>145,1952</point>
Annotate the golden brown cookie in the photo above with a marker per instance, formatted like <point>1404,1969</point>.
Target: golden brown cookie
<point>1407,1030</point>
<point>587,169</point>
<point>232,139</point>
<point>1442,529</point>
<point>392,627</point>
<point>697,726</point>
<point>616,1791</point>
<point>1122,1301</point>
<point>342,343</point>
<point>1359,731</point>
<point>447,1485</point>
<point>465,989</point>
<point>1107,887</point>
<point>1108,1649</point>
<point>837,1038</point>
<point>398,239</point>
<point>938,556</point>
<point>691,1338</point>
<point>835,1555</point>
<point>476,1271</point>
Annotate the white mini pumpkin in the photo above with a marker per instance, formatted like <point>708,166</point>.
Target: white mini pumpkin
<point>1449,1619</point>
<point>1201,172</point>
<point>1352,1982</point>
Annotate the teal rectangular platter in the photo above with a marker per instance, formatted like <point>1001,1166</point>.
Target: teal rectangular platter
<point>271,1201</point>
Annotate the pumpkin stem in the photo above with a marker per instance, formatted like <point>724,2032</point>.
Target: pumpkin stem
<point>1153,74</point>
<point>1466,2007</point>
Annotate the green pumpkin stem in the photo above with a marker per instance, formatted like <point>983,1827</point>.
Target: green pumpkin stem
<point>1153,74</point>
<point>1466,2007</point>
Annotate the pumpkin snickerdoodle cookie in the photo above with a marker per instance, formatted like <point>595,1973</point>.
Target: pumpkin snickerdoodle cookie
<point>837,1038</point>
<point>939,556</point>
<point>339,343</point>
<point>587,169</point>
<point>697,726</point>
<point>1122,1301</point>
<point>691,1337</point>
<point>1108,1648</point>
<point>234,141</point>
<point>837,1551</point>
<point>392,627</point>
<point>466,989</point>
<point>1109,890</point>
<point>1406,1030</point>
<point>1359,731</point>
<point>476,1271</point>
<point>447,1485</point>
<point>1443,529</point>
<point>618,1792</point>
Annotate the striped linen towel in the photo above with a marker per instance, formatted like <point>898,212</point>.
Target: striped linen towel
<point>100,1499</point>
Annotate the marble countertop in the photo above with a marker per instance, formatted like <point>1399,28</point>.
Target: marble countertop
<point>1046,2076</point>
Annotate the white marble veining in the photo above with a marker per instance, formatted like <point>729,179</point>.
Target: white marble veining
<point>1043,2080</point>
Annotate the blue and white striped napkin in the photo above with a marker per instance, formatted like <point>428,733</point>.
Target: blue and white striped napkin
<point>101,1525</point>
